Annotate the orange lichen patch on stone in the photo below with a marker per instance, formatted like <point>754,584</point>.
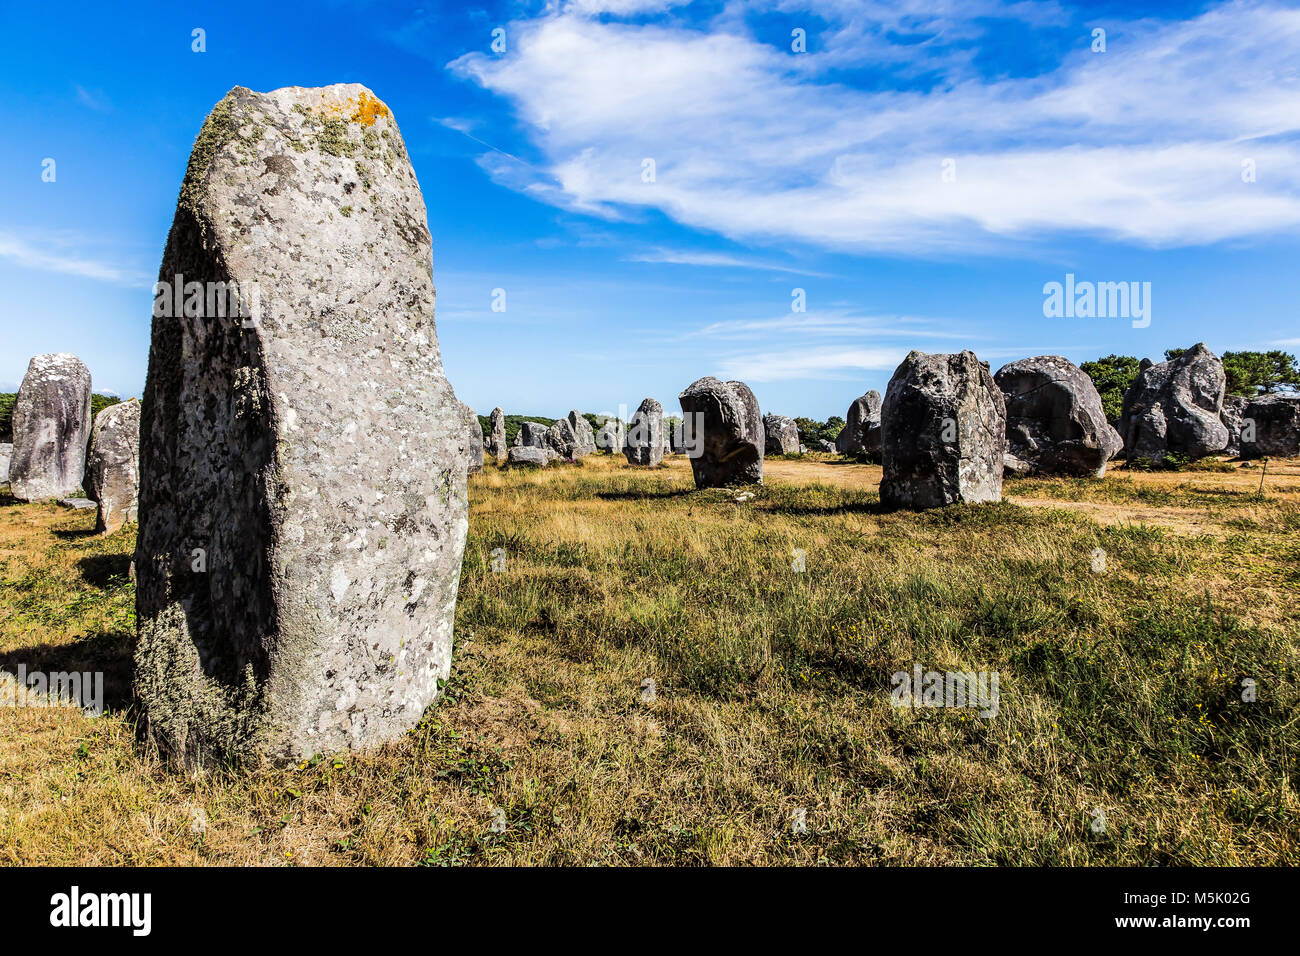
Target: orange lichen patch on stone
<point>365,109</point>
<point>368,110</point>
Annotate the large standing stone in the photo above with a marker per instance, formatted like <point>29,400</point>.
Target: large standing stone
<point>1174,407</point>
<point>611,436</point>
<point>6,453</point>
<point>723,417</point>
<point>1274,422</point>
<point>51,425</point>
<point>782,435</point>
<point>943,427</point>
<point>1055,421</point>
<point>644,442</point>
<point>860,435</point>
<point>113,465</point>
<point>473,440</point>
<point>302,472</point>
<point>496,444</point>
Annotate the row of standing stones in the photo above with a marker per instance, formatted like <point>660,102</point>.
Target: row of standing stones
<point>302,482</point>
<point>58,451</point>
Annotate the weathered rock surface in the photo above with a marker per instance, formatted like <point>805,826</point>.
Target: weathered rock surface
<point>644,442</point>
<point>825,445</point>
<point>1275,421</point>
<point>1173,408</point>
<point>676,439</point>
<point>496,443</point>
<point>302,474</point>
<point>571,437</point>
<point>1055,421</point>
<point>532,434</point>
<point>782,435</point>
<point>860,435</point>
<point>943,428</point>
<point>1234,409</point>
<point>78,504</point>
<point>611,436</point>
<point>113,465</point>
<point>531,456</point>
<point>732,441</point>
<point>473,440</point>
<point>584,436</point>
<point>51,426</point>
<point>6,453</point>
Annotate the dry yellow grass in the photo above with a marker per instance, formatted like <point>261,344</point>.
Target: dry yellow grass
<point>1120,691</point>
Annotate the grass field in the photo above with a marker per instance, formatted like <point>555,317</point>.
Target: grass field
<point>1120,690</point>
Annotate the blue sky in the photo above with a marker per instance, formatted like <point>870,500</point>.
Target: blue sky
<point>774,171</point>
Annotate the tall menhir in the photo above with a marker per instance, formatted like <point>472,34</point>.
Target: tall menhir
<point>302,483</point>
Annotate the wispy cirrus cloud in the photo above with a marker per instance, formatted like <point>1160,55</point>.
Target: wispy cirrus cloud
<point>688,257</point>
<point>58,256</point>
<point>1143,144</point>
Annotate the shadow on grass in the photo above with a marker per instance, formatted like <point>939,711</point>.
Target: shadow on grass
<point>105,570</point>
<point>109,653</point>
<point>644,495</point>
<point>73,534</point>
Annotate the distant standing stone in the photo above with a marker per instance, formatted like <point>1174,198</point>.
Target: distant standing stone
<point>611,436</point>
<point>113,465</point>
<point>732,438</point>
<point>943,428</point>
<point>496,444</point>
<point>6,453</point>
<point>532,433</point>
<point>51,425</point>
<point>473,440</point>
<point>1055,422</point>
<point>860,435</point>
<point>782,435</point>
<point>571,437</point>
<point>644,442</point>
<point>302,465</point>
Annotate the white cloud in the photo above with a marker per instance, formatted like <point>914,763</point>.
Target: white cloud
<point>717,259</point>
<point>817,363</point>
<point>57,260</point>
<point>1144,143</point>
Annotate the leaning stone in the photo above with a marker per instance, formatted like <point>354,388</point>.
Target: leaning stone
<point>1055,421</point>
<point>782,435</point>
<point>1174,407</point>
<point>51,425</point>
<point>731,438</point>
<point>302,472</point>
<point>1275,421</point>
<point>113,465</point>
<point>860,436</point>
<point>644,442</point>
<point>943,429</point>
<point>496,443</point>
